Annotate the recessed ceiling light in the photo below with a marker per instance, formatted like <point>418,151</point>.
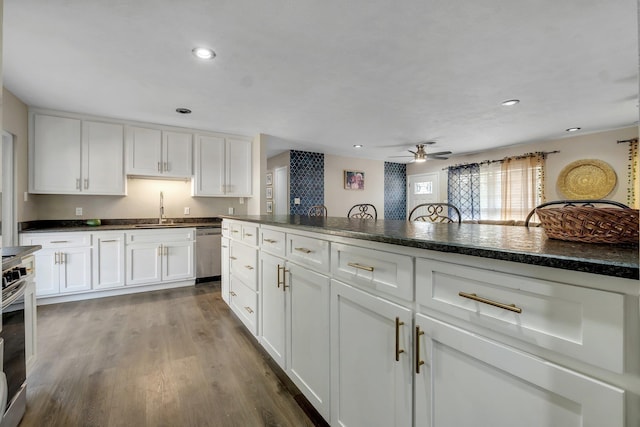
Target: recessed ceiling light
<point>203,53</point>
<point>510,102</point>
<point>183,110</point>
<point>573,129</point>
<point>357,145</point>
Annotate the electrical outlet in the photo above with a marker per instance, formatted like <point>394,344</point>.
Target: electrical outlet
<point>78,211</point>
<point>242,200</point>
<point>296,201</point>
<point>230,211</point>
<point>187,211</point>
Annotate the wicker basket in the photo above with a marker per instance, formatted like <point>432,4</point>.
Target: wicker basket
<point>590,224</point>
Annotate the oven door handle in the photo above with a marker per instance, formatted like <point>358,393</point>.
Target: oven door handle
<point>19,291</point>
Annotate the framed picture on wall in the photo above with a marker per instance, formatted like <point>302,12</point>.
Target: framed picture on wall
<point>353,180</point>
<point>269,179</point>
<point>269,206</point>
<point>269,192</point>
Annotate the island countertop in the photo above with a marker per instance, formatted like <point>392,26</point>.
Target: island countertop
<point>508,243</point>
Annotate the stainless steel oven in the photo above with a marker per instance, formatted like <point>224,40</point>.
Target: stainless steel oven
<point>14,284</point>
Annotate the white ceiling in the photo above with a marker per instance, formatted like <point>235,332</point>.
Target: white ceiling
<point>324,75</point>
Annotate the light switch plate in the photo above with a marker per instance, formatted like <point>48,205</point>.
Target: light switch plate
<point>230,211</point>
<point>78,211</point>
<point>296,201</point>
<point>187,211</point>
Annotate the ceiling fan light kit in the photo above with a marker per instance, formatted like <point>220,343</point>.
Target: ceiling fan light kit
<point>420,155</point>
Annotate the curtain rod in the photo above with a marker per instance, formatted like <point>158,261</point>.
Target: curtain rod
<point>628,140</point>
<point>487,162</point>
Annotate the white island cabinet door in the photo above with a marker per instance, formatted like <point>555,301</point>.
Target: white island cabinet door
<point>272,311</point>
<point>75,269</point>
<point>308,359</point>
<point>371,376</point>
<point>55,155</point>
<point>47,272</point>
<point>468,380</point>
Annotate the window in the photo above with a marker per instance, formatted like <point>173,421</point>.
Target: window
<point>423,188</point>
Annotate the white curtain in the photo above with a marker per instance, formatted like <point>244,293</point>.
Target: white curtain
<point>521,186</point>
<point>491,191</point>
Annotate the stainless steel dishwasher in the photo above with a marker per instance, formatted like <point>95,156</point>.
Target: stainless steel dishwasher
<point>208,266</point>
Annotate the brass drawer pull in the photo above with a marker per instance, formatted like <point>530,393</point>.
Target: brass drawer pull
<point>248,234</point>
<point>109,241</point>
<point>248,267</point>
<point>510,307</point>
<point>417,344</point>
<point>304,250</point>
<point>233,258</point>
<point>398,349</point>
<point>360,266</point>
<point>269,240</point>
<point>249,310</point>
<point>233,294</point>
<point>234,231</point>
<point>59,241</point>
<point>225,247</point>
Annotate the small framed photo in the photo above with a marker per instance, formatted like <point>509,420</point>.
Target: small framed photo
<point>353,180</point>
<point>269,178</point>
<point>269,206</point>
<point>269,192</point>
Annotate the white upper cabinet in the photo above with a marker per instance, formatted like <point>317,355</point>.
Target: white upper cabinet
<point>68,155</point>
<point>153,152</point>
<point>222,166</point>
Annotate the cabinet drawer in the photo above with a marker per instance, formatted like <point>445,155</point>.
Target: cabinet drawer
<point>235,230</point>
<point>244,303</point>
<point>244,264</point>
<point>226,229</point>
<point>272,241</point>
<point>583,323</point>
<point>374,270</point>
<point>250,234</point>
<point>308,251</point>
<point>57,240</point>
<point>161,236</point>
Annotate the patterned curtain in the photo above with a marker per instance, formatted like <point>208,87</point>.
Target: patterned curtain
<point>633,176</point>
<point>463,189</point>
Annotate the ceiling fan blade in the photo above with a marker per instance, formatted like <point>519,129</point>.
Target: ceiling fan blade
<point>439,153</point>
<point>426,142</point>
<point>437,157</point>
<point>398,156</point>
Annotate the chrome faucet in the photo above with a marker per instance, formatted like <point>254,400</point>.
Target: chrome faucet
<point>162,218</point>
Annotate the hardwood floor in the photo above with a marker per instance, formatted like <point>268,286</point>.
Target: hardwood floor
<point>177,357</point>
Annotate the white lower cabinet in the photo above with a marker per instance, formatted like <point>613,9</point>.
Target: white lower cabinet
<point>160,257</point>
<point>371,376</point>
<point>144,263</point>
<point>469,380</point>
<point>63,270</point>
<point>273,308</point>
<point>108,260</point>
<point>308,355</point>
<point>224,260</point>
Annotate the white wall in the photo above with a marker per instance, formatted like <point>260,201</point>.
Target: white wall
<point>338,200</point>
<point>601,146</point>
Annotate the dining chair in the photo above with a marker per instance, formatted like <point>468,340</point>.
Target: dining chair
<point>317,210</point>
<point>435,212</point>
<point>361,211</point>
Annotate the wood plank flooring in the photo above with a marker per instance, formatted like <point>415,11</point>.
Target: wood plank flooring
<point>176,357</point>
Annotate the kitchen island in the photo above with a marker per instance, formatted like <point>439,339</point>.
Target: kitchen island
<point>399,323</point>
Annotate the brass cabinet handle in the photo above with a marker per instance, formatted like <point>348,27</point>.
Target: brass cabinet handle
<point>159,167</point>
<point>234,231</point>
<point>86,183</point>
<point>63,258</point>
<point>108,241</point>
<point>224,246</point>
<point>248,267</point>
<point>233,294</point>
<point>360,266</point>
<point>417,344</point>
<point>159,250</point>
<point>304,250</point>
<point>249,309</point>
<point>166,166</point>
<point>233,258</point>
<point>166,250</point>
<point>225,229</point>
<point>284,279</point>
<point>279,282</point>
<point>248,234</point>
<point>398,349</point>
<point>510,307</point>
<point>56,259</point>
<point>269,240</point>
<point>59,241</point>
<point>77,183</point>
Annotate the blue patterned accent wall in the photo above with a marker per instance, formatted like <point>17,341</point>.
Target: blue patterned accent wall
<point>306,181</point>
<point>395,191</point>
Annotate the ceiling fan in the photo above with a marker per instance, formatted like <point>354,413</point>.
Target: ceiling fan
<point>420,155</point>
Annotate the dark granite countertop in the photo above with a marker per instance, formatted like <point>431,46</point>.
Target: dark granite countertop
<point>44,226</point>
<point>508,243</point>
<point>12,255</point>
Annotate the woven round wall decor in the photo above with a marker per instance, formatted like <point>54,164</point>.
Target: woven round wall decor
<point>587,180</point>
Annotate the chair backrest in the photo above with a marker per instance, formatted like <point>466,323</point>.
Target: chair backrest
<point>363,211</point>
<point>317,210</point>
<point>435,212</point>
<point>567,203</point>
